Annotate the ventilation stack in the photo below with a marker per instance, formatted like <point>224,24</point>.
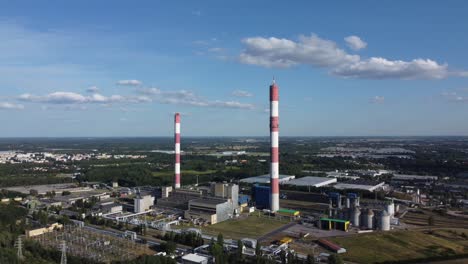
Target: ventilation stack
<point>274,138</point>
<point>177,151</point>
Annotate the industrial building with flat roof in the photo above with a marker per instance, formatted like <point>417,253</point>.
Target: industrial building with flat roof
<point>194,259</point>
<point>311,181</point>
<point>261,195</point>
<point>211,210</point>
<point>407,177</point>
<point>266,179</point>
<point>355,186</point>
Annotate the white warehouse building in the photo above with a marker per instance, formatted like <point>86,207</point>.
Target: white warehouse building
<point>311,181</point>
<point>143,203</point>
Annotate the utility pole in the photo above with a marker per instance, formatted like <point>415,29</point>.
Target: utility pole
<point>19,246</point>
<point>63,248</point>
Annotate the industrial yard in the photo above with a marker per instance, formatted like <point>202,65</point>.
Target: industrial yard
<point>92,244</point>
<point>195,207</point>
<point>246,227</point>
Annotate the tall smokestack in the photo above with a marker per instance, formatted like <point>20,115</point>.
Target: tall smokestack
<point>274,130</point>
<point>177,151</point>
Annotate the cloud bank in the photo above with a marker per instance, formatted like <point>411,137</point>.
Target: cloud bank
<point>317,52</point>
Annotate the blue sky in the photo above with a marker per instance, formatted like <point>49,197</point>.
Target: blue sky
<point>122,68</point>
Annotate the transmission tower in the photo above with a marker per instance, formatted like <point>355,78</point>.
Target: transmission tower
<point>63,248</point>
<point>19,246</point>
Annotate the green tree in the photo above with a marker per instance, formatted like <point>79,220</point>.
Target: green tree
<point>430,220</point>
<point>240,247</point>
<point>220,239</point>
<point>169,247</point>
<point>258,251</point>
<point>335,259</point>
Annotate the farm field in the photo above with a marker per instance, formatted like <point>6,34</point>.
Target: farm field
<point>404,245</point>
<point>420,218</point>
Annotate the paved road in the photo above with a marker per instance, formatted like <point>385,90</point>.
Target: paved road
<point>276,231</point>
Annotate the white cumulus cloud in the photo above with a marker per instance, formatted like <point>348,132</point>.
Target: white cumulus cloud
<point>10,106</point>
<point>92,89</point>
<point>129,82</point>
<point>317,52</point>
<point>381,68</point>
<point>185,97</point>
<point>312,50</point>
<point>355,42</point>
<point>241,93</point>
<point>76,98</point>
<point>377,99</point>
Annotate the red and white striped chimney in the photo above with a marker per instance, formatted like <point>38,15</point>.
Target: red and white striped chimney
<point>177,151</point>
<point>274,138</point>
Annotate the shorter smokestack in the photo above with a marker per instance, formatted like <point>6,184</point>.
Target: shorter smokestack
<point>177,151</point>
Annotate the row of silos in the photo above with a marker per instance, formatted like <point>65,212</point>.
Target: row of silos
<point>368,220</point>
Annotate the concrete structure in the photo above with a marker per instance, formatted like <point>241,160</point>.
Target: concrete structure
<point>226,191</point>
<point>194,259</point>
<point>356,214</point>
<point>177,151</point>
<point>211,210</point>
<point>384,221</point>
<point>274,139</point>
<point>40,231</point>
<point>111,208</point>
<point>265,179</point>
<point>179,198</point>
<point>165,191</point>
<point>143,203</point>
<point>390,208</point>
<point>369,219</point>
<point>311,181</point>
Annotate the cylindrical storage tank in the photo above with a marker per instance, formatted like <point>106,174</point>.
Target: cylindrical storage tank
<point>355,216</point>
<point>370,219</point>
<point>385,221</point>
<point>348,203</point>
<point>390,208</point>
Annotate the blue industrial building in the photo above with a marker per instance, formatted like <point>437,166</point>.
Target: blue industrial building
<point>261,195</point>
<point>244,199</point>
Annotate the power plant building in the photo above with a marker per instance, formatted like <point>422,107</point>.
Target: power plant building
<point>143,203</point>
<point>226,190</point>
<point>261,195</point>
<point>364,187</point>
<point>311,181</point>
<point>211,210</point>
<point>265,179</point>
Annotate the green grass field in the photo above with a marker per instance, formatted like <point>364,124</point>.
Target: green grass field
<point>400,245</point>
<point>251,227</point>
